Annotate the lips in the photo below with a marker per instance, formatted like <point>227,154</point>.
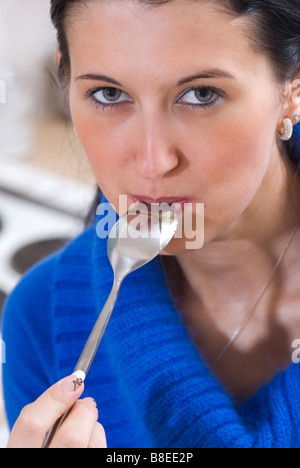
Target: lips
<point>153,203</point>
<point>161,200</point>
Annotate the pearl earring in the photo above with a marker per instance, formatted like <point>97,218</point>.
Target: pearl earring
<point>288,130</point>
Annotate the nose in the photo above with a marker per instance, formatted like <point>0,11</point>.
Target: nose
<point>156,152</point>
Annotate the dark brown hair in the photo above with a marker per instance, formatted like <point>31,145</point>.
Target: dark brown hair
<point>276,25</point>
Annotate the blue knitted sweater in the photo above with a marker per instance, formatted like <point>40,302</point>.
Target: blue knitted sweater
<point>150,383</point>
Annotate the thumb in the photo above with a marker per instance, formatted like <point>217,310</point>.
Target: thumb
<point>37,418</point>
<point>60,397</point>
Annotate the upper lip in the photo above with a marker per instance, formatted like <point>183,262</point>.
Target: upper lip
<point>150,200</point>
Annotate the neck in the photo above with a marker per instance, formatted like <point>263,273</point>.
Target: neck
<point>233,268</point>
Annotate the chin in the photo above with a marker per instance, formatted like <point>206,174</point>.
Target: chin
<point>178,247</point>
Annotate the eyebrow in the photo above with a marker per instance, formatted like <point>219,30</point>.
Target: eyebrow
<point>96,77</point>
<point>214,73</point>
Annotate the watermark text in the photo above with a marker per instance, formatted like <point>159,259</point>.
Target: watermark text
<point>142,221</point>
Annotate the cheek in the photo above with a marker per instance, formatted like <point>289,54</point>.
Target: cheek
<point>102,146</point>
<point>235,163</point>
<point>98,145</point>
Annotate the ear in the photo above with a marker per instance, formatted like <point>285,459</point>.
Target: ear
<point>291,103</point>
<point>296,99</point>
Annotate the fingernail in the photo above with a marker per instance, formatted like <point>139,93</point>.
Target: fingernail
<point>92,401</point>
<point>73,382</point>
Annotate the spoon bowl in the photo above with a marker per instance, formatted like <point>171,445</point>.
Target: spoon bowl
<point>138,237</point>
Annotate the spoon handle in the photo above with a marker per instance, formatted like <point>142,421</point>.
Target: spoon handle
<point>87,356</point>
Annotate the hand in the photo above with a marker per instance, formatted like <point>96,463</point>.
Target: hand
<point>79,430</point>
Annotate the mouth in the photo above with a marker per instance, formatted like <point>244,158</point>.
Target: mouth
<point>148,201</point>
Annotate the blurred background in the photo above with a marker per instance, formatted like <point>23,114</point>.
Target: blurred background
<point>46,185</point>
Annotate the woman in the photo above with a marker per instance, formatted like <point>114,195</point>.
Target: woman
<point>174,101</point>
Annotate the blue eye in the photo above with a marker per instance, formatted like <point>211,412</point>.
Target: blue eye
<point>110,95</point>
<point>201,97</point>
<point>107,97</point>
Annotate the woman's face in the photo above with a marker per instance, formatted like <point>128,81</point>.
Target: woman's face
<point>171,103</point>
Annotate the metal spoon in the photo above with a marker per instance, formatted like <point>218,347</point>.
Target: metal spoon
<point>136,239</point>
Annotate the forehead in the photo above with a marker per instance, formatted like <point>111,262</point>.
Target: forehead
<point>126,35</point>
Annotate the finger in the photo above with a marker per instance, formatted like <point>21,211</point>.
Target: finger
<point>77,429</point>
<point>37,418</point>
<point>98,439</point>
